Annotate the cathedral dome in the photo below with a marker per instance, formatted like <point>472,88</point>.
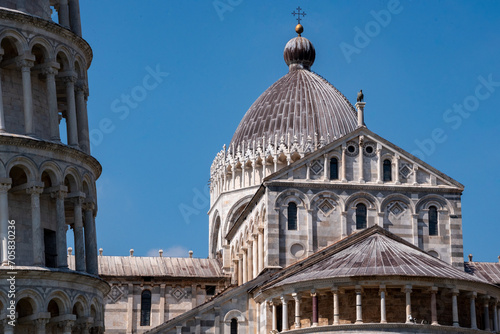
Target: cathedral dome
<point>301,104</point>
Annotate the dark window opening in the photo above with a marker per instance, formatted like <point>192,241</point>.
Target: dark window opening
<point>351,149</point>
<point>145,308</point>
<point>360,216</point>
<point>279,320</point>
<point>433,221</point>
<point>234,326</point>
<point>147,278</point>
<point>49,238</point>
<point>334,169</point>
<point>292,216</point>
<point>210,290</point>
<point>387,170</point>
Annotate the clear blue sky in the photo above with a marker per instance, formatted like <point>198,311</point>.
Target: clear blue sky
<point>157,145</point>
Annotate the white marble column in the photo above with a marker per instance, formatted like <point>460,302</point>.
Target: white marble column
<point>90,239</point>
<point>326,168</point>
<point>454,295</point>
<point>407,291</point>
<point>78,233</point>
<point>162,303</point>
<point>495,316</point>
<point>74,17</point>
<point>343,224</point>
<point>274,319</point>
<point>50,71</point>
<point>284,303</point>
<point>379,165</point>
<point>434,319</point>
<point>344,164</point>
<point>359,306</point>
<point>240,269</point>
<point>7,329</point>
<point>486,313</point>
<point>233,175</point>
<point>36,226</point>
<point>82,117</point>
<point>25,65</point>
<point>360,165</point>
<point>62,228</point>
<point>473,317</point>
<point>250,260</point>
<point>178,329</point>
<point>397,176</point>
<point>245,265</point>
<point>235,271</point>
<point>336,309</point>
<point>63,12</point>
<point>260,243</point>
<point>314,299</point>
<point>254,165</point>
<point>4,220</point>
<point>383,309</point>
<point>242,174</point>
<point>255,256</point>
<point>71,111</point>
<point>296,298</point>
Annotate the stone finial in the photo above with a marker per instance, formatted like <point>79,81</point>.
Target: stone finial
<point>470,257</point>
<point>100,251</point>
<point>160,252</point>
<point>131,252</point>
<point>190,254</point>
<point>70,250</point>
<point>498,258</point>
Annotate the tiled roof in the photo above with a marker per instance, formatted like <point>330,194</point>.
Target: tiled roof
<point>301,103</point>
<point>123,266</point>
<point>373,252</point>
<point>488,271</point>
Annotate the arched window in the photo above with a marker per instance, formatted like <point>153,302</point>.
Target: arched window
<point>234,326</point>
<point>387,170</point>
<point>433,221</point>
<point>334,169</point>
<point>360,216</point>
<point>145,308</point>
<point>292,216</point>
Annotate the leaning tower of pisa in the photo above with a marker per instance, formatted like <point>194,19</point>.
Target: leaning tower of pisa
<point>47,175</point>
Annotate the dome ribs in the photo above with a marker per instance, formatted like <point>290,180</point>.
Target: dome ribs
<point>300,104</point>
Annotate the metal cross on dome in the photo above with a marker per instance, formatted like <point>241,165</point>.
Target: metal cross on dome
<point>298,13</point>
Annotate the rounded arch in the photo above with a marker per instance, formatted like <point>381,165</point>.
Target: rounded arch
<point>33,297</point>
<point>216,222</point>
<point>18,41</point>
<point>26,164</point>
<point>288,195</point>
<point>235,211</point>
<point>62,300</point>
<point>234,314</point>
<point>79,67</point>
<point>439,202</point>
<point>396,197</point>
<point>53,170</point>
<point>41,49</point>
<point>327,194</point>
<point>81,306</point>
<point>98,310</point>
<point>3,300</point>
<point>64,58</point>
<point>86,186</point>
<point>72,179</point>
<point>361,197</point>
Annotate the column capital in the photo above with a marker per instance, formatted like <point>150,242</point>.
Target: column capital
<point>284,299</point>
<point>40,323</point>
<point>88,206</point>
<point>335,289</point>
<point>50,68</point>
<point>66,325</point>
<point>60,193</point>
<point>34,190</point>
<point>407,289</point>
<point>26,63</point>
<point>473,294</point>
<point>81,86</point>
<point>455,292</point>
<point>68,77</point>
<point>5,186</point>
<point>296,296</point>
<point>358,289</point>
<point>260,229</point>
<point>313,293</point>
<point>434,290</point>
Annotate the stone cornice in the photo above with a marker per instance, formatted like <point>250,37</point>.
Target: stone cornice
<point>50,27</point>
<point>357,186</point>
<point>22,141</point>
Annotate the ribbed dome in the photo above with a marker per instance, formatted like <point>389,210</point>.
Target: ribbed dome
<point>301,104</point>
